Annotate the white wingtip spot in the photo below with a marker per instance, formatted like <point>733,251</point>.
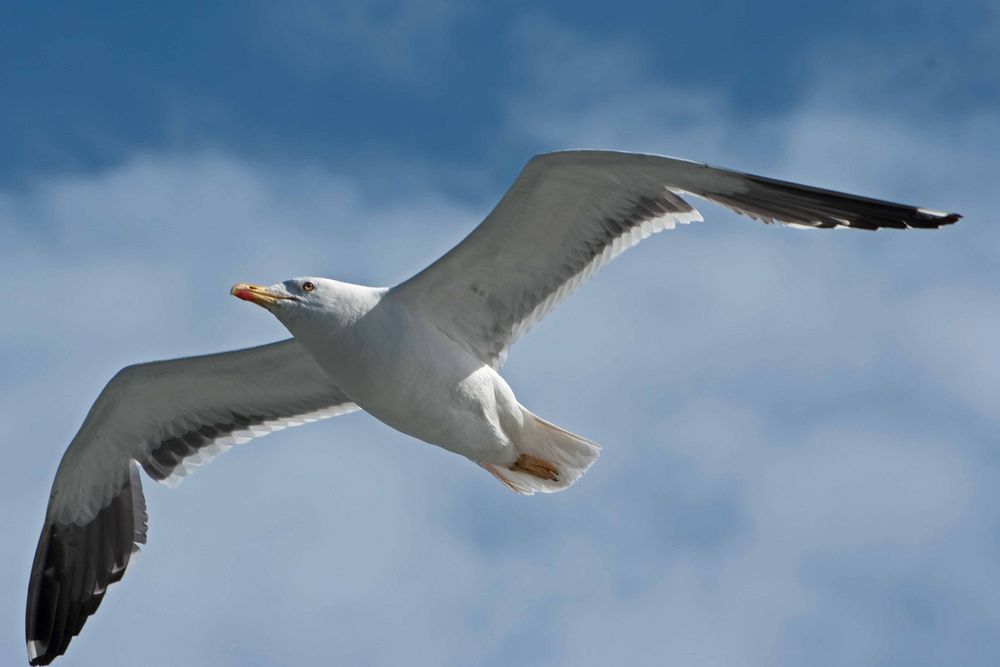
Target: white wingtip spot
<point>930,211</point>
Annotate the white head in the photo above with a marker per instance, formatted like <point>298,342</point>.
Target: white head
<point>301,299</point>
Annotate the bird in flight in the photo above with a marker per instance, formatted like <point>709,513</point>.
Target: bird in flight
<point>423,357</point>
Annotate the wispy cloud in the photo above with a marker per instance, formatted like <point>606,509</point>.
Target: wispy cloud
<point>582,93</point>
<point>849,128</point>
<point>401,41</point>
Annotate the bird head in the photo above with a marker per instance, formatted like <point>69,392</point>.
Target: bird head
<point>288,299</point>
<point>309,305</point>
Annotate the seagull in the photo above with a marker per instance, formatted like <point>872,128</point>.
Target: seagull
<point>423,357</point>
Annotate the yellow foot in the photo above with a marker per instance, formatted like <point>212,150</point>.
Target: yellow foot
<point>533,465</point>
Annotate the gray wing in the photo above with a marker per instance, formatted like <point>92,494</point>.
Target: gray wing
<point>570,213</point>
<point>167,417</point>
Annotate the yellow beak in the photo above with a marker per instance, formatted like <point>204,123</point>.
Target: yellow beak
<point>262,296</point>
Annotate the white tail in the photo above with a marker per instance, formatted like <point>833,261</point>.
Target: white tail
<point>544,443</point>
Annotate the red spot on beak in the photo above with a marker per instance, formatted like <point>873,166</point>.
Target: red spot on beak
<point>254,294</point>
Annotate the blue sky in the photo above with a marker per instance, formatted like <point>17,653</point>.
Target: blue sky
<point>800,456</point>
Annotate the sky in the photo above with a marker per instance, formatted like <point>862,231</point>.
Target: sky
<point>800,455</point>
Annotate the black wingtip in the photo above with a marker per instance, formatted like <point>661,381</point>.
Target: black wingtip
<point>933,219</point>
<point>37,655</point>
<point>818,207</point>
<point>74,565</point>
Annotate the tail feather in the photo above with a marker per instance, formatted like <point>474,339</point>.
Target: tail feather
<point>570,454</point>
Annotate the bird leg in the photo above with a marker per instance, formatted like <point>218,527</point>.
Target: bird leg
<point>535,466</point>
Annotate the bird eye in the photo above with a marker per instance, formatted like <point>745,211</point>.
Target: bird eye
<point>308,286</point>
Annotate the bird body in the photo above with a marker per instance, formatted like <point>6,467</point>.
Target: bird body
<point>423,357</point>
<point>399,367</point>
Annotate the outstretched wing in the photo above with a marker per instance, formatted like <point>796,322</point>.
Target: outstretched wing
<point>570,213</point>
<point>168,417</point>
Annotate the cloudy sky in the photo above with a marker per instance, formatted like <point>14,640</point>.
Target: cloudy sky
<point>800,428</point>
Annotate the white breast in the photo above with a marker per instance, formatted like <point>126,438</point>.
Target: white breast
<point>404,371</point>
